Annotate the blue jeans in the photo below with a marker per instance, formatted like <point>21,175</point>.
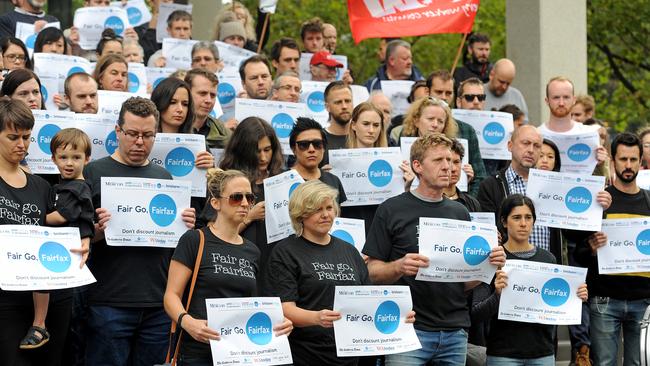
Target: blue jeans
<point>447,348</point>
<point>607,317</point>
<point>507,361</point>
<point>126,336</point>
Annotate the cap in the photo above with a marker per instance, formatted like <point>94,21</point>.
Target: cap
<point>325,58</point>
<point>229,29</point>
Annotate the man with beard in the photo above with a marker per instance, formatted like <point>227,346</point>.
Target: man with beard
<point>338,102</point>
<point>499,91</point>
<point>256,79</point>
<point>27,11</point>
<point>478,65</point>
<point>618,301</point>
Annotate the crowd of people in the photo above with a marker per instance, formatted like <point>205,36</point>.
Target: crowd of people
<point>125,317</point>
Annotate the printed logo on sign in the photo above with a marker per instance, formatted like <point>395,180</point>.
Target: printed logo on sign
<point>75,69</point>
<point>343,235</point>
<point>226,93</point>
<point>258,329</point>
<point>111,142</point>
<point>179,162</point>
<point>162,210</point>
<point>643,242</point>
<point>134,82</point>
<point>282,123</point>
<point>578,152</point>
<point>293,188</point>
<point>578,199</point>
<point>387,317</point>
<point>493,133</point>
<point>134,14</point>
<point>555,291</point>
<point>155,83</point>
<point>316,101</point>
<point>475,250</point>
<point>31,41</point>
<point>44,92</point>
<point>115,23</point>
<point>45,136</point>
<point>54,257</point>
<point>380,173</point>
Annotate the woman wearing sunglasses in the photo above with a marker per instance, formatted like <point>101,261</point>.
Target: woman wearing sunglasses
<point>236,258</point>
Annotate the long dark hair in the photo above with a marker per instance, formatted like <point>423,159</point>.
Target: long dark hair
<point>47,36</point>
<point>509,204</point>
<point>558,161</point>
<point>15,78</point>
<point>8,41</point>
<point>162,96</point>
<point>241,151</point>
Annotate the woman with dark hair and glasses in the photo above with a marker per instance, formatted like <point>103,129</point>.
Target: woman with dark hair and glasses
<point>51,40</point>
<point>231,197</point>
<point>14,54</point>
<point>23,85</point>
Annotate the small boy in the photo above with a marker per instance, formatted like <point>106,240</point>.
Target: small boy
<point>70,152</point>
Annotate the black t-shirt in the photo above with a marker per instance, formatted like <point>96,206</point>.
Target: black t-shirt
<point>334,142</point>
<point>27,205</point>
<point>517,339</point>
<point>306,273</point>
<point>74,203</point>
<point>126,276</point>
<point>227,270</point>
<point>394,233</point>
<point>334,182</point>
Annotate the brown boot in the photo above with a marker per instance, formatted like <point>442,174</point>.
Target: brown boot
<point>582,356</point>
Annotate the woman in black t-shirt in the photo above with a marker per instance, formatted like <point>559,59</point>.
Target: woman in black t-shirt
<point>235,257</point>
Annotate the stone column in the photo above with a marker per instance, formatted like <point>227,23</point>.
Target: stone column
<point>203,14</point>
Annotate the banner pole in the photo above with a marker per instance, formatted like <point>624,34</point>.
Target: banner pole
<point>460,49</point>
<point>266,24</point>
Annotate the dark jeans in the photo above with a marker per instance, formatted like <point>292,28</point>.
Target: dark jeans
<point>126,336</point>
<point>75,349</point>
<point>579,333</point>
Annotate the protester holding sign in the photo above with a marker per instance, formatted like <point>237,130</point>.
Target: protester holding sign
<point>111,73</point>
<point>51,40</point>
<point>15,54</point>
<point>452,192</point>
<point>23,85</point>
<point>549,158</point>
<point>109,43</point>
<point>229,266</point>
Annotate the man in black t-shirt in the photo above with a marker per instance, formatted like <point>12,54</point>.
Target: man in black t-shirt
<point>338,102</point>
<point>126,319</point>
<point>618,301</point>
<point>392,248</point>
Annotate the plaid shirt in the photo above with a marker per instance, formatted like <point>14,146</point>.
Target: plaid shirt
<point>541,235</point>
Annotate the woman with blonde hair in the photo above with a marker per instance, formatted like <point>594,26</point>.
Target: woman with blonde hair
<point>428,115</point>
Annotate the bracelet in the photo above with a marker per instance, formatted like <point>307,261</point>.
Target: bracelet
<point>180,319</point>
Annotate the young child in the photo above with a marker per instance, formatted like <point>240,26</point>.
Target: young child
<point>70,152</point>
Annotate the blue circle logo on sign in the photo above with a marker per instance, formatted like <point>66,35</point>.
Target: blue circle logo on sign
<point>30,41</point>
<point>134,14</point>
<point>179,161</point>
<point>115,23</point>
<point>75,69</point>
<point>476,250</point>
<point>493,133</point>
<point>293,188</point>
<point>316,101</point>
<point>134,82</point>
<point>111,142</point>
<point>44,92</point>
<point>162,210</point>
<point>578,152</point>
<point>258,329</point>
<point>54,257</point>
<point>155,83</point>
<point>643,242</point>
<point>578,199</point>
<point>343,235</point>
<point>387,317</point>
<point>555,291</point>
<point>45,136</point>
<point>282,123</point>
<point>226,93</point>
<point>380,173</point>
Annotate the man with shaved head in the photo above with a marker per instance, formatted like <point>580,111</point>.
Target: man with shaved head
<point>499,91</point>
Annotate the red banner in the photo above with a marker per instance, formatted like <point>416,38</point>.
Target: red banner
<point>400,18</point>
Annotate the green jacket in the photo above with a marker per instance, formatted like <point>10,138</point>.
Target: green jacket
<point>215,132</point>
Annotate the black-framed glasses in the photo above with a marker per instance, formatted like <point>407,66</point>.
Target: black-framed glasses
<point>135,135</point>
<point>14,58</point>
<point>470,97</point>
<point>304,144</point>
<point>236,198</point>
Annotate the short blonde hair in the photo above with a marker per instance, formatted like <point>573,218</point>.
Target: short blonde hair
<point>424,143</point>
<point>307,199</point>
<point>415,112</point>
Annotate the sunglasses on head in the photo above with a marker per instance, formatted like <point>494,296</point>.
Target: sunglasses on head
<point>304,144</point>
<point>236,199</point>
<point>470,97</point>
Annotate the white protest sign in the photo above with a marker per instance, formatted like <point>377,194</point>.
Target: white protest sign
<point>277,191</point>
<point>541,293</point>
<point>577,151</point>
<point>280,115</point>
<point>458,250</point>
<point>628,246</point>
<point>462,180</point>
<point>359,94</point>
<point>145,212</point>
<point>643,179</point>
<point>177,152</point>
<point>232,56</point>
<point>26,32</point>
<point>60,65</point>
<point>110,102</point>
<point>164,10</point>
<point>369,176</point>
<point>49,88</point>
<point>397,91</point>
<point>136,10</point>
<point>351,231</point>
<point>227,90</point>
<point>268,6</point>
<point>91,22</point>
<point>246,328</point>
<point>305,58</point>
<point>482,217</point>
<point>137,78</point>
<point>39,258</point>
<point>493,130</point>
<point>405,144</point>
<point>178,52</point>
<point>157,74</point>
<point>218,155</point>
<point>313,95</point>
<point>101,131</point>
<point>565,200</point>
<point>373,321</point>
<point>46,125</point>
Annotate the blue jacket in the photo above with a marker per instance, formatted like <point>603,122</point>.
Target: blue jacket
<point>374,82</point>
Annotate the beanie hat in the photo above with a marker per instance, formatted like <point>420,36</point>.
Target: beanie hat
<point>229,29</point>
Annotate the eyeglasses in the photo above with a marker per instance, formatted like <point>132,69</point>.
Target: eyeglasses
<point>134,135</point>
<point>470,97</point>
<point>14,58</point>
<point>297,89</point>
<point>304,144</point>
<point>236,199</point>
